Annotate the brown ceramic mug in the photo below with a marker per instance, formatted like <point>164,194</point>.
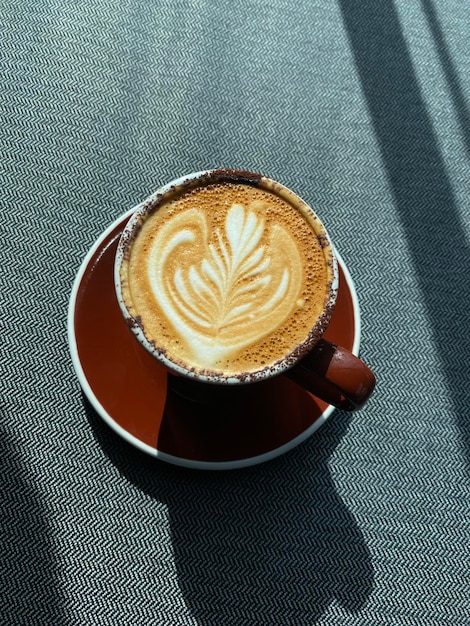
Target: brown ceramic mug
<point>229,278</point>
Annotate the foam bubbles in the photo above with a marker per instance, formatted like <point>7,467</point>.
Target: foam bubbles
<point>231,273</point>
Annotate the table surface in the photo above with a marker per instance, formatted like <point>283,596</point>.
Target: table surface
<point>363,109</point>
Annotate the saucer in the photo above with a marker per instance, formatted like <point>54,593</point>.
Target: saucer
<point>129,389</point>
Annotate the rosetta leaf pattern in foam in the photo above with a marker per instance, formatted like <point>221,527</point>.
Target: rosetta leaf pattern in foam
<point>222,290</point>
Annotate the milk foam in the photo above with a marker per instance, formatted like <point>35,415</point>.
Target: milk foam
<point>226,278</point>
<point>232,294</point>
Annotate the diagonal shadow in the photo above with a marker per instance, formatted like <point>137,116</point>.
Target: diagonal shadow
<point>420,186</point>
<point>452,78</point>
<point>29,581</point>
<point>272,544</point>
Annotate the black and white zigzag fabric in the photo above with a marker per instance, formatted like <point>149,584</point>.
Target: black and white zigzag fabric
<point>363,109</point>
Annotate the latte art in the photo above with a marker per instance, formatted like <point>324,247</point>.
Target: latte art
<point>230,289</point>
<point>226,280</point>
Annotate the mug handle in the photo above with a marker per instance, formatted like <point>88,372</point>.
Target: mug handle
<point>335,375</point>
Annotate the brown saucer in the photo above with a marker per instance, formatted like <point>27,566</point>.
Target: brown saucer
<point>128,387</point>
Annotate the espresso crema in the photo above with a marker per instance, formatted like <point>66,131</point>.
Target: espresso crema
<point>227,278</point>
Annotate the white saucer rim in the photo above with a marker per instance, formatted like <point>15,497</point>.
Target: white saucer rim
<point>163,456</point>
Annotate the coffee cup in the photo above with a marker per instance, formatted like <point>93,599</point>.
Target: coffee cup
<point>228,278</point>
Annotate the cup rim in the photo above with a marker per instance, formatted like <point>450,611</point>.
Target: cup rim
<point>205,177</point>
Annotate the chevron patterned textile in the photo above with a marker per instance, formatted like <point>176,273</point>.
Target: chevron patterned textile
<point>363,109</point>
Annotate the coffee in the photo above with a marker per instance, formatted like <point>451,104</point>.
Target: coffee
<point>227,278</point>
